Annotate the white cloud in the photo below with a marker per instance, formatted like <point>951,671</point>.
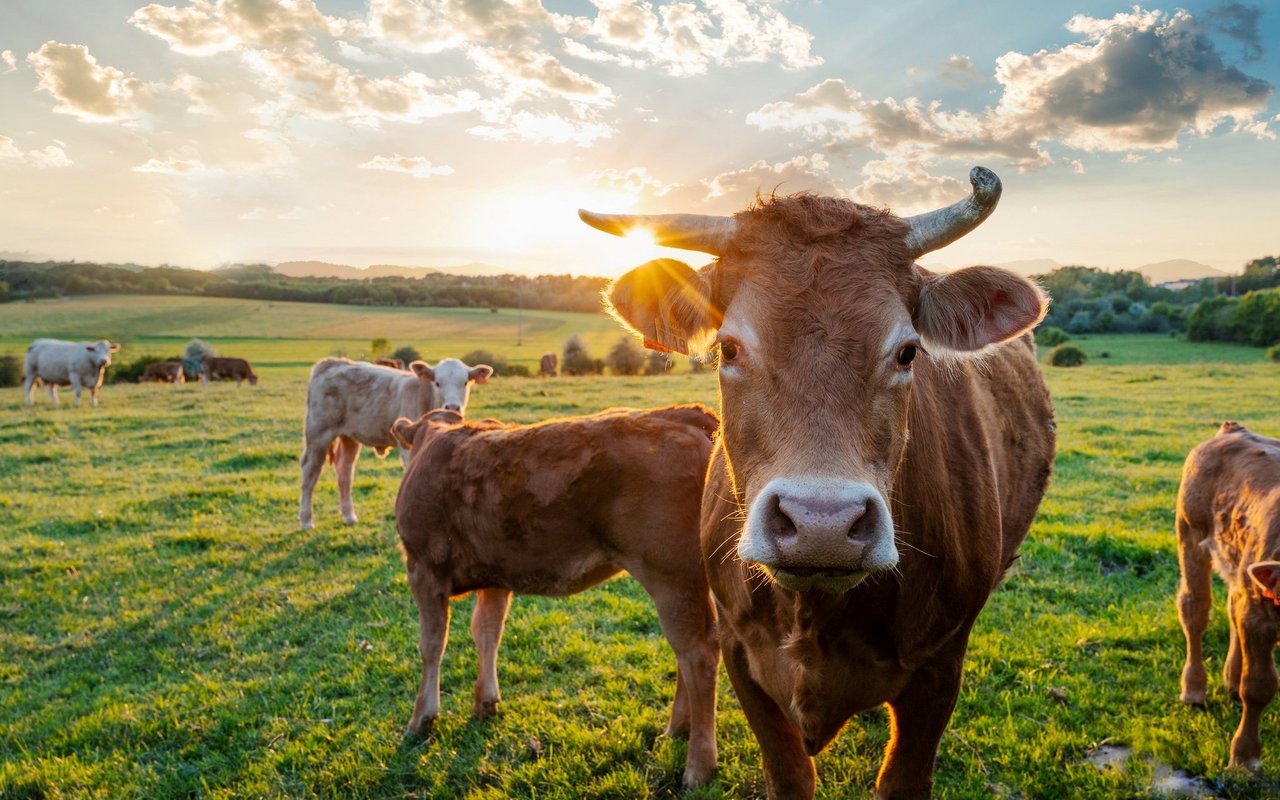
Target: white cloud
<point>417,166</point>
<point>547,128</point>
<point>204,28</point>
<point>82,87</point>
<point>728,191</point>
<point>10,62</point>
<point>1136,82</point>
<point>49,156</point>
<point>172,166</point>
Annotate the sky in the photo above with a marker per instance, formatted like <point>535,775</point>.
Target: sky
<point>443,132</point>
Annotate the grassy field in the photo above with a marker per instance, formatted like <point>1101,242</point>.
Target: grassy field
<point>166,631</point>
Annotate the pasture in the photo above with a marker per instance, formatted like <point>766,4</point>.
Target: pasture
<point>165,630</point>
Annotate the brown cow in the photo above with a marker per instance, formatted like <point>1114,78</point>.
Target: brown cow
<point>547,366</point>
<point>213,368</point>
<point>882,457</point>
<point>394,363</point>
<point>1229,518</point>
<point>163,372</point>
<point>552,509</point>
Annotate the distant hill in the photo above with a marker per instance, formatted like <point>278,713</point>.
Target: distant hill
<point>1031,266</point>
<point>322,269</point>
<point>1179,269</point>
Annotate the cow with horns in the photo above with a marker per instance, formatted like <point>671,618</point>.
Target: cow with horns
<point>886,439</point>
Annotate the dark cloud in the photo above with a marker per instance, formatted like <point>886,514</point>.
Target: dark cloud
<point>1241,22</point>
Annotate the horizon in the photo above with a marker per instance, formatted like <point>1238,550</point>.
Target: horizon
<point>390,132</point>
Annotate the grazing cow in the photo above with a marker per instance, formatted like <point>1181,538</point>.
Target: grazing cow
<point>163,372</point>
<point>552,509</point>
<point>1229,518</point>
<point>547,366</point>
<point>394,363</point>
<point>58,363</point>
<point>353,403</point>
<point>214,368</point>
<point>886,439</point>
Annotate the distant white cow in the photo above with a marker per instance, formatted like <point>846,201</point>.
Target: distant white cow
<point>350,403</point>
<point>74,364</point>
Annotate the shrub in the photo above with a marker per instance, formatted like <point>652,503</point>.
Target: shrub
<point>576,360</point>
<point>1066,355</point>
<point>379,347</point>
<point>406,354</point>
<point>1051,336</point>
<point>10,371</point>
<point>1081,322</point>
<point>1213,319</point>
<point>192,356</point>
<point>657,363</point>
<point>1273,353</point>
<point>626,357</point>
<point>501,366</point>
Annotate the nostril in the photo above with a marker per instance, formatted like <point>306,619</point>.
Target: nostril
<point>865,523</point>
<point>781,525</point>
<point>452,407</point>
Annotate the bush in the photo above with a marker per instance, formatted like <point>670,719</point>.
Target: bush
<point>1081,322</point>
<point>576,360</point>
<point>501,366</point>
<point>406,354</point>
<point>10,371</point>
<point>1066,355</point>
<point>131,372</point>
<point>194,354</point>
<point>378,348</point>
<point>1213,319</point>
<point>1051,336</point>
<point>1273,353</point>
<point>626,357</point>
<point>657,363</point>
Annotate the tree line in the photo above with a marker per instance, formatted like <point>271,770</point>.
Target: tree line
<point>24,280</point>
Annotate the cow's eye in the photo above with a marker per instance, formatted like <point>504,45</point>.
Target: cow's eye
<point>907,354</point>
<point>729,351</point>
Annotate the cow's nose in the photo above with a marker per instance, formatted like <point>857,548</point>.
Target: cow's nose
<point>840,521</point>
<point>452,407</point>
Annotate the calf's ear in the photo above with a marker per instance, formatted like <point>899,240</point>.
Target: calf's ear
<point>668,304</point>
<point>971,308</point>
<point>1266,575</point>
<point>115,347</point>
<point>402,431</point>
<point>481,373</point>
<point>424,372</point>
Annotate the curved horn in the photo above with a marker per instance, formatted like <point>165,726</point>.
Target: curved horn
<point>935,229</point>
<point>706,234</point>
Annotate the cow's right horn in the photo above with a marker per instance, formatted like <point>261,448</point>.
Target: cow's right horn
<point>701,232</point>
<point>936,229</point>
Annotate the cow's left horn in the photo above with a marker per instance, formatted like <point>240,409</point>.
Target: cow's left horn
<point>936,229</point>
<point>701,232</point>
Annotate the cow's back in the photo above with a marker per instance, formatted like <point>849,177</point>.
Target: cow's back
<point>1234,475</point>
<point>358,399</point>
<point>53,360</point>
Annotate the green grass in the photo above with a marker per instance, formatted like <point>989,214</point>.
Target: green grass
<point>166,631</point>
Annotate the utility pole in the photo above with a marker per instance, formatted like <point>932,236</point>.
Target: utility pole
<point>520,313</point>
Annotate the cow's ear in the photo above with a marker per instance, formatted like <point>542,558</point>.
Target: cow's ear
<point>480,374</point>
<point>971,308</point>
<point>402,431</point>
<point>424,372</point>
<point>1266,575</point>
<point>115,347</point>
<point>668,304</point>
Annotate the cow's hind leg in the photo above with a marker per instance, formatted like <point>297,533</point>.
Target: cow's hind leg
<point>29,389</point>
<point>788,769</point>
<point>314,453</point>
<point>345,464</point>
<point>433,630</point>
<point>1231,666</point>
<point>1195,599</point>
<point>486,630</point>
<point>1257,636</point>
<point>917,719</point>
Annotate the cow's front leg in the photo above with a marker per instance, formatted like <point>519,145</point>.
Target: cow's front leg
<point>344,463</point>
<point>1231,666</point>
<point>788,769</point>
<point>314,454</point>
<point>1195,599</point>
<point>917,719</point>
<point>433,630</point>
<point>1257,637</point>
<point>486,630</point>
<point>75,388</point>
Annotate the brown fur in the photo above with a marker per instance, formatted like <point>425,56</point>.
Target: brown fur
<point>214,368</point>
<point>1229,517</point>
<point>960,450</point>
<point>164,372</point>
<point>394,363</point>
<point>547,365</point>
<point>552,509</point>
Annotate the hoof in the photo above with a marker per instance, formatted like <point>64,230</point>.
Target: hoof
<point>420,727</point>
<point>695,776</point>
<point>483,709</point>
<point>351,520</point>
<point>1246,766</point>
<point>305,526</point>
<point>1193,698</point>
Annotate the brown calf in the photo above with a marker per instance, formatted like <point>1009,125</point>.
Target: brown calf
<point>552,509</point>
<point>163,372</point>
<point>1229,518</point>
<point>547,365</point>
<point>213,368</point>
